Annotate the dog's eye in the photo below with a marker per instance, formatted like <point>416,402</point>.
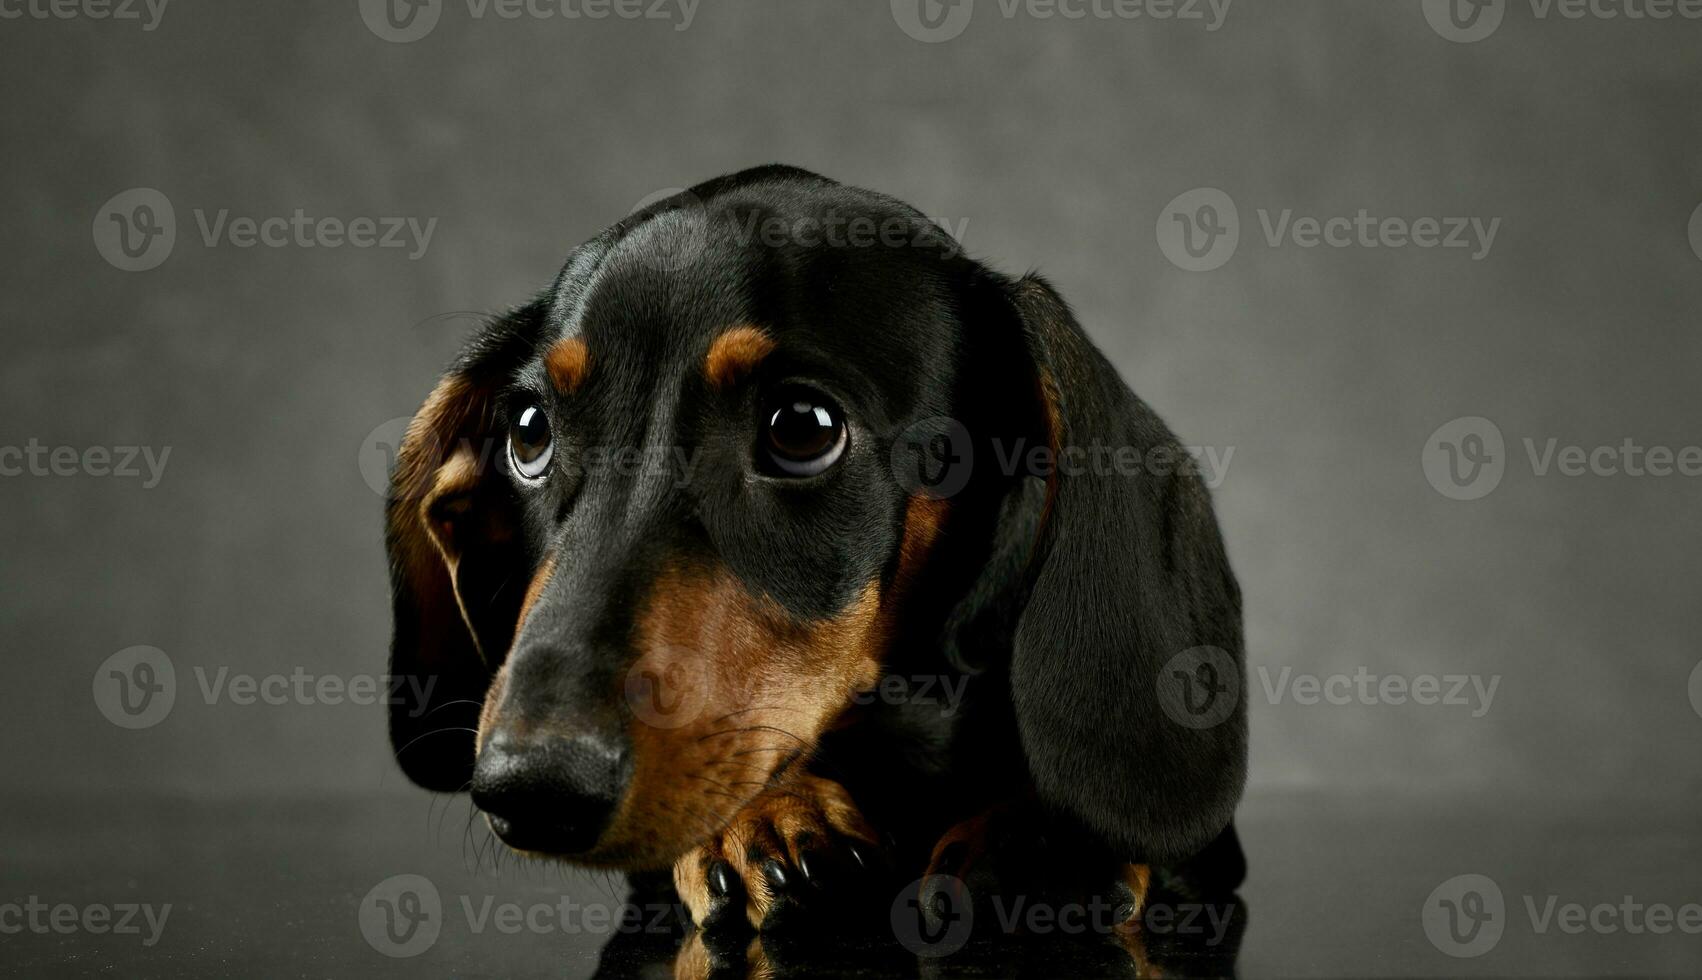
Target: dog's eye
<point>529,445</point>
<point>804,433</point>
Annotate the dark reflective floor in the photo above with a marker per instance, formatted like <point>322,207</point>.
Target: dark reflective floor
<point>378,887</point>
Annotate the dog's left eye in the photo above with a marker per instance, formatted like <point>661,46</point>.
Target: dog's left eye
<point>529,443</point>
<point>804,433</point>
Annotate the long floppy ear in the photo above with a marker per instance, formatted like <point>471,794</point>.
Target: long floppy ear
<point>1127,671</point>
<point>457,560</point>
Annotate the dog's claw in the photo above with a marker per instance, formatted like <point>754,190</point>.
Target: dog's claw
<point>720,879</point>
<point>791,835</point>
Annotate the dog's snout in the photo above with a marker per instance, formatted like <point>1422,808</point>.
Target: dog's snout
<point>552,793</point>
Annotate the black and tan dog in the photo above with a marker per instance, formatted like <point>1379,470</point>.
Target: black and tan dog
<point>682,545</point>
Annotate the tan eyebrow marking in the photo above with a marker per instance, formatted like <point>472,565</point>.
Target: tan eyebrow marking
<point>735,354</point>
<point>567,362</point>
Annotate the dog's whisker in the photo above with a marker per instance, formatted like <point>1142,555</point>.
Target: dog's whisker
<point>760,748</point>
<point>753,728</point>
<point>435,731</point>
<point>447,704</point>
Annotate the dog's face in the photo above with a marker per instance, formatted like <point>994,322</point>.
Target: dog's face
<point>655,531</point>
<point>667,500</point>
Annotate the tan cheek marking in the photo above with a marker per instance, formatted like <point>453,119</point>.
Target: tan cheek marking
<point>541,578</point>
<point>753,687</point>
<point>734,355</point>
<point>924,516</point>
<point>487,714</point>
<point>567,363</point>
<point>499,683</point>
<point>762,687</point>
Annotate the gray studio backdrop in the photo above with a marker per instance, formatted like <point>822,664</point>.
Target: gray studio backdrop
<point>1368,386</point>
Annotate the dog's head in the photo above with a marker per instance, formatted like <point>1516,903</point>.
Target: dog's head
<point>653,532</point>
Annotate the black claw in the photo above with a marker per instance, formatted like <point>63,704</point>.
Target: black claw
<point>720,879</point>
<point>862,859</point>
<point>815,867</point>
<point>775,872</point>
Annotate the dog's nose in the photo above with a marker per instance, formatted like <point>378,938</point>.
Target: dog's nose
<point>550,794</point>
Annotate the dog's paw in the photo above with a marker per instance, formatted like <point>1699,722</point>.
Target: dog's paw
<point>798,849</point>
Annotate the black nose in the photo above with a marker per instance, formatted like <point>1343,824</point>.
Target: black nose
<point>551,794</point>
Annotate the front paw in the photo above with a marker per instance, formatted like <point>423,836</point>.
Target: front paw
<point>799,848</point>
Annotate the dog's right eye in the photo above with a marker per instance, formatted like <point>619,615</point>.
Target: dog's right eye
<point>529,443</point>
<point>805,432</point>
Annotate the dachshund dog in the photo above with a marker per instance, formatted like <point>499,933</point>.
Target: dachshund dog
<point>778,545</point>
